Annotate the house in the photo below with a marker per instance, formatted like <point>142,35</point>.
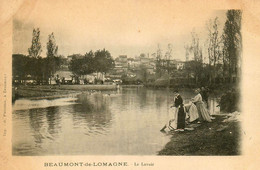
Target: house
<point>180,65</point>
<point>66,77</point>
<point>130,63</point>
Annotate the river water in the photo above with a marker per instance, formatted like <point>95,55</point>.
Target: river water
<point>122,122</point>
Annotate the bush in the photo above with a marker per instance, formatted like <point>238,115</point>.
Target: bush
<point>229,101</point>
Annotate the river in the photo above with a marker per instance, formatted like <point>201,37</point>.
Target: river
<point>126,121</point>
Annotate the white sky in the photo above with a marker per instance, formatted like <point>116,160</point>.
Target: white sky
<point>125,27</point>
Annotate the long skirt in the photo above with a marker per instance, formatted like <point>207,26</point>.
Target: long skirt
<point>181,118</point>
<point>172,119</point>
<point>192,112</point>
<point>203,112</point>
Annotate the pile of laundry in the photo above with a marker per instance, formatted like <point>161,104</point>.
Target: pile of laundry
<point>233,117</point>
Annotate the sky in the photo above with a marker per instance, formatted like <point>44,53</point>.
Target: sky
<point>122,27</point>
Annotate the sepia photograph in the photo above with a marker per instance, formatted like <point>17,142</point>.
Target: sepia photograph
<point>111,80</point>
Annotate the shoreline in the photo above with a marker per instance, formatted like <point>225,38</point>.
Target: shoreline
<point>48,91</point>
<point>217,138</point>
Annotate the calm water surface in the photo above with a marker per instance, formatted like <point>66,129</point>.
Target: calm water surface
<point>122,122</point>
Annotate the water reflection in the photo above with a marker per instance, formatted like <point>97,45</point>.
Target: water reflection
<point>92,111</point>
<point>53,120</point>
<point>36,122</point>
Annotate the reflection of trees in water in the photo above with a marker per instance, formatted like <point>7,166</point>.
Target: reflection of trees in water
<point>53,119</point>
<point>213,105</point>
<point>36,118</point>
<point>144,97</point>
<point>159,99</point>
<point>92,110</point>
<point>128,98</point>
<point>133,96</point>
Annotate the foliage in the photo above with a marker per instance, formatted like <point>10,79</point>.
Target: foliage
<point>103,61</point>
<point>35,49</point>
<point>52,62</point>
<point>100,61</point>
<point>214,51</point>
<point>33,66</point>
<point>229,101</point>
<point>223,52</point>
<point>143,72</point>
<point>196,65</point>
<point>76,64</point>
<point>159,61</point>
<point>25,67</point>
<point>52,48</point>
<point>232,40</point>
<point>20,66</point>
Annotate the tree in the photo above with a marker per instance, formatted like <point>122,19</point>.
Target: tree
<point>232,40</point>
<point>214,41</point>
<point>89,63</point>
<point>20,67</point>
<point>35,49</point>
<point>143,72</point>
<point>168,56</point>
<point>76,64</point>
<point>53,61</point>
<point>103,61</point>
<point>52,48</point>
<point>159,61</point>
<point>99,62</point>
<point>197,65</point>
<point>82,64</point>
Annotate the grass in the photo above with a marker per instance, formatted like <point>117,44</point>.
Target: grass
<point>215,138</point>
<point>55,90</point>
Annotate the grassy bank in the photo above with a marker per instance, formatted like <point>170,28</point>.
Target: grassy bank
<point>132,86</point>
<point>215,138</point>
<point>54,90</point>
<point>88,87</point>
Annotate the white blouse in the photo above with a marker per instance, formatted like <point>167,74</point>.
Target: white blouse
<point>197,98</point>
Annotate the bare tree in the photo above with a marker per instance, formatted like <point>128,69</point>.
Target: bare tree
<point>214,41</point>
<point>168,56</point>
<point>197,65</point>
<point>159,61</point>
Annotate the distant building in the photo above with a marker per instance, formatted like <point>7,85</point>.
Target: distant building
<point>180,65</point>
<point>130,62</point>
<point>131,67</point>
<point>123,58</point>
<point>144,61</point>
<point>136,62</point>
<point>150,70</point>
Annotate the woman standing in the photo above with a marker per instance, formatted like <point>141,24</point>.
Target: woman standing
<point>177,120</point>
<point>203,112</point>
<point>178,103</point>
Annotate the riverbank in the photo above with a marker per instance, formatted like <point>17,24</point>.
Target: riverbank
<point>220,137</point>
<point>55,90</point>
